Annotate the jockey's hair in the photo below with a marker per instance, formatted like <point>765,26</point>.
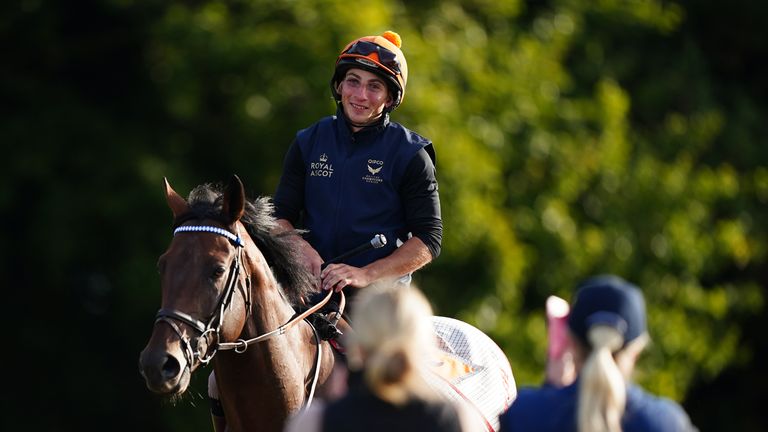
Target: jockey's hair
<point>392,341</point>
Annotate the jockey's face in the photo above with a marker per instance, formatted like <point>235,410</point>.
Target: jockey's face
<point>364,95</point>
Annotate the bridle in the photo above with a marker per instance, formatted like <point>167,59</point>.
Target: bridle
<point>200,348</point>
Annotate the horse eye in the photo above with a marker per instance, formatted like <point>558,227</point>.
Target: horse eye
<point>218,272</point>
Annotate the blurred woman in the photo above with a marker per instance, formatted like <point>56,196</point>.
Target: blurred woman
<point>387,351</point>
<point>607,332</point>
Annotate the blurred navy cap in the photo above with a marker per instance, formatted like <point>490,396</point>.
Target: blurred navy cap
<point>608,300</point>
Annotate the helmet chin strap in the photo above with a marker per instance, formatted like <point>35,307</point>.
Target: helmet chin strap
<point>378,120</point>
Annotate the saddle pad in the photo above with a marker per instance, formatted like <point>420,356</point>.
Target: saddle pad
<point>472,370</point>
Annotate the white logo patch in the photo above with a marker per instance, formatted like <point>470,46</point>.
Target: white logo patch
<point>321,168</point>
<point>374,167</point>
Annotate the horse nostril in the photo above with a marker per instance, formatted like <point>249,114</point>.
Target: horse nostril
<point>171,367</point>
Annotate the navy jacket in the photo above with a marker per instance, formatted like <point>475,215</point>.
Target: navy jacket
<point>361,410</point>
<point>344,188</point>
<point>554,409</point>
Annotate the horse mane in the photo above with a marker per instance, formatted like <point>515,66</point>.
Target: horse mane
<point>205,202</point>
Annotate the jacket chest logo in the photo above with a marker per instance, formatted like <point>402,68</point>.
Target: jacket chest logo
<point>321,168</point>
<point>374,167</point>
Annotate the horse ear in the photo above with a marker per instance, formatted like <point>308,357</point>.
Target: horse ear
<point>177,204</point>
<point>234,200</point>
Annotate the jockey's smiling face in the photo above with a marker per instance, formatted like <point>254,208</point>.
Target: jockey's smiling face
<point>364,96</point>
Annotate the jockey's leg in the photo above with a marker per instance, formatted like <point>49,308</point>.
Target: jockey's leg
<point>217,411</point>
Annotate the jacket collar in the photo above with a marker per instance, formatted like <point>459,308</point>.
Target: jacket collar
<point>364,133</point>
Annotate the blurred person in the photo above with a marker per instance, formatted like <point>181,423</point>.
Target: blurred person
<point>560,370</point>
<point>388,353</point>
<point>606,331</point>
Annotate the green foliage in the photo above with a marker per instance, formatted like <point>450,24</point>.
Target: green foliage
<point>573,137</point>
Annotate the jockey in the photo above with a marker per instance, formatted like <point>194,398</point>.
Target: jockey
<point>355,174</point>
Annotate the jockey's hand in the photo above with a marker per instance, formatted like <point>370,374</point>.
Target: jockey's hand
<point>338,276</point>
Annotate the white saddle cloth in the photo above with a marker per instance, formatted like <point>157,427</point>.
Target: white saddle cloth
<point>472,370</point>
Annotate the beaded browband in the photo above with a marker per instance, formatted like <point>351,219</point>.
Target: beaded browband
<point>235,239</point>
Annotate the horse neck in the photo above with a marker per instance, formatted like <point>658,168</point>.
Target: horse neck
<point>269,306</point>
<point>267,380</point>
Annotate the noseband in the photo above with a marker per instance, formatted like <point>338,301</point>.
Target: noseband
<point>199,348</point>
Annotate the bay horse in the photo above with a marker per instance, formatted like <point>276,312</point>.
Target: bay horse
<point>227,279</point>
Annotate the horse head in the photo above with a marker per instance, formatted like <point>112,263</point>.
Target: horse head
<point>204,288</point>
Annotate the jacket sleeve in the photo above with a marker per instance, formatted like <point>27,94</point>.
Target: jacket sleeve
<point>422,202</point>
<point>289,197</point>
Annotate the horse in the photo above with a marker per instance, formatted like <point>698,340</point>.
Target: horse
<point>227,279</point>
<point>229,286</point>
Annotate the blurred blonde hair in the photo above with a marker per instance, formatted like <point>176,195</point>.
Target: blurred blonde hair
<point>604,376</point>
<point>391,341</point>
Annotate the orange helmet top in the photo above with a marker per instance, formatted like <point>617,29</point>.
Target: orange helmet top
<point>378,54</point>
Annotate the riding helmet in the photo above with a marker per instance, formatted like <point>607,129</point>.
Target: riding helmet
<point>377,54</point>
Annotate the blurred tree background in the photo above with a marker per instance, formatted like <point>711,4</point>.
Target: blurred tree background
<point>573,137</point>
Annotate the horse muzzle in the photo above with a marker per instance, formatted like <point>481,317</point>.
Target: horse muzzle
<point>164,372</point>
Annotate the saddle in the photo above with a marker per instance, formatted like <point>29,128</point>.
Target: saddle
<point>326,319</point>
